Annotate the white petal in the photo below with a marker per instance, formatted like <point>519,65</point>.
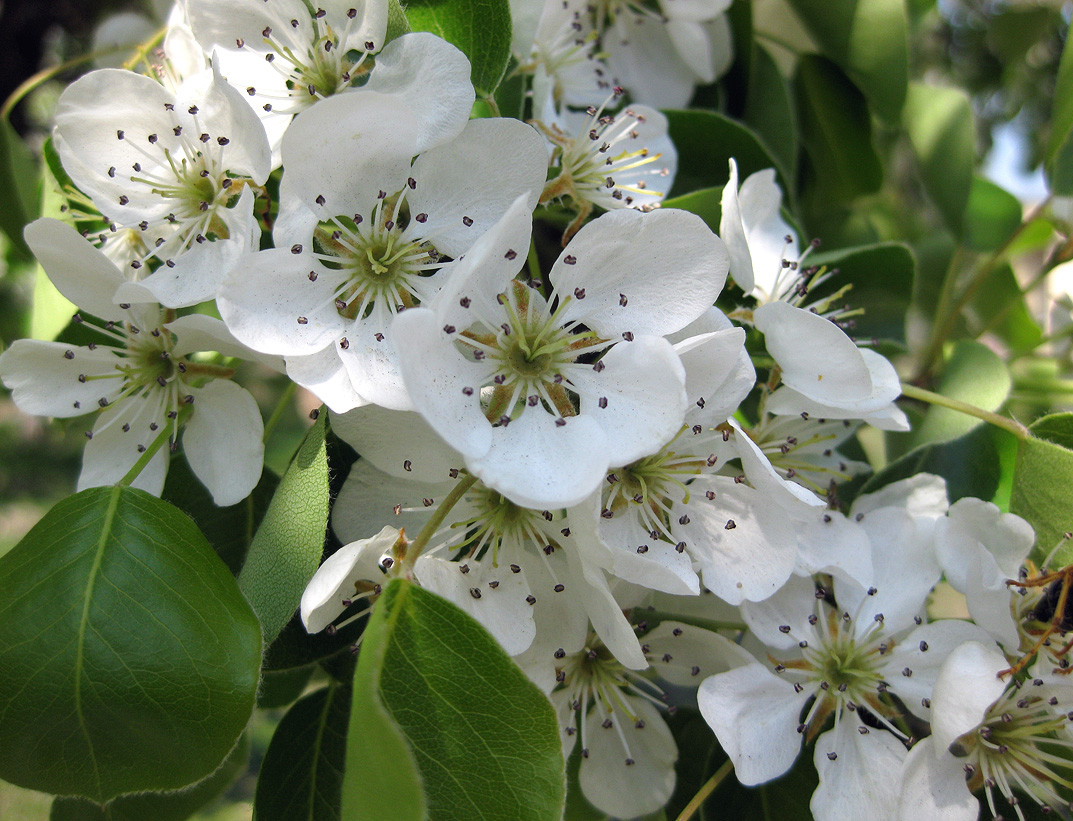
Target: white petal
<point>400,443</point>
<point>719,373</point>
<point>525,460</point>
<point>322,601</point>
<point>760,199</point>
<point>78,270</point>
<point>732,230</point>
<point>967,685</point>
<point>667,264</point>
<point>372,364</point>
<point>367,154</point>
<point>816,356</point>
<point>933,787</point>
<point>502,610</point>
<point>754,715</point>
<point>686,655</point>
<point>435,374</point>
<point>323,374</point>
<point>745,546</point>
<point>199,332</point>
<point>368,499</point>
<point>923,495</point>
<point>647,782</point>
<point>831,543</point>
<point>112,452</point>
<point>429,76</point>
<point>791,605</point>
<point>643,57</point>
<point>862,780</point>
<point>973,525</point>
<point>638,399</point>
<point>795,499</point>
<point>223,441</point>
<point>45,382</point>
<point>477,176</point>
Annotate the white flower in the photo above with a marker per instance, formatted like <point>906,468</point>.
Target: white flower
<point>661,55</point>
<point>623,160</point>
<point>986,733</point>
<point>363,234</point>
<point>286,55</point>
<point>141,384</point>
<point>838,661</point>
<point>178,167</point>
<point>496,367</point>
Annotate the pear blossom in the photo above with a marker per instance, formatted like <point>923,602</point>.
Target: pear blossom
<point>496,367</point>
<point>837,649</point>
<point>358,245</point>
<point>661,54</point>
<point>550,555</point>
<point>623,160</point>
<point>178,167</point>
<point>140,382</point>
<point>286,55</point>
<point>1001,737</point>
<point>627,750</point>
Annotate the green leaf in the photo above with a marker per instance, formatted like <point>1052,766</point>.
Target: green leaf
<point>450,726</point>
<point>281,688</point>
<point>882,277</point>
<point>18,181</point>
<point>970,464</point>
<point>706,203</point>
<point>168,806</point>
<point>1059,153</point>
<point>869,41</point>
<point>706,141</point>
<point>1000,306</point>
<point>992,215</point>
<point>836,131</point>
<point>397,24</point>
<point>230,530</point>
<point>769,109</point>
<point>1043,483</point>
<point>941,129</point>
<point>51,310</point>
<point>128,656</point>
<point>480,29</point>
<point>287,547</point>
<point>301,776</point>
<point>974,374</point>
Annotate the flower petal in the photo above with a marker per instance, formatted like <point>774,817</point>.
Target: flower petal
<point>224,441</point>
<point>967,685</point>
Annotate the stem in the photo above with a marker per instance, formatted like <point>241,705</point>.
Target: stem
<point>1014,427</point>
<point>433,524</point>
<point>143,460</point>
<point>277,412</point>
<point>493,106</point>
<point>706,790</point>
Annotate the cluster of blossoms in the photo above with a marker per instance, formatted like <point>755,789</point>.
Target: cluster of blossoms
<point>576,443</point>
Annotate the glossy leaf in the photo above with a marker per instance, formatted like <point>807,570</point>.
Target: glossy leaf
<point>991,217</point>
<point>480,29</point>
<point>287,547</point>
<point>999,306</point>
<point>973,374</point>
<point>128,656</point>
<point>706,203</point>
<point>868,40</point>
<point>940,125</point>
<point>18,181</point>
<point>1059,155</point>
<point>281,688</point>
<point>769,109</point>
<point>1043,484</point>
<point>302,773</point>
<point>167,806</point>
<point>706,141</point>
<point>836,131</point>
<point>431,688</point>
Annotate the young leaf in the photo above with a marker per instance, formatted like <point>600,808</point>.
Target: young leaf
<point>287,547</point>
<point>769,109</point>
<point>448,725</point>
<point>302,773</point>
<point>991,217</point>
<point>941,130</point>
<point>1043,484</point>
<point>868,40</point>
<point>128,656</point>
<point>480,29</point>
<point>159,806</point>
<point>18,181</point>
